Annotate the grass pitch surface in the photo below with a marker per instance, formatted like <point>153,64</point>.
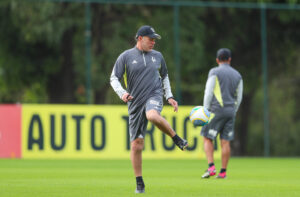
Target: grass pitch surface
<point>72,178</point>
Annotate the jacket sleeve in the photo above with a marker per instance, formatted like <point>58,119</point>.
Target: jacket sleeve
<point>209,91</point>
<point>117,74</point>
<point>239,93</point>
<point>167,88</point>
<point>165,79</point>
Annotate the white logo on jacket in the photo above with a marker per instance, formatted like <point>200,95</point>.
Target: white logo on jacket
<point>134,62</point>
<point>153,59</point>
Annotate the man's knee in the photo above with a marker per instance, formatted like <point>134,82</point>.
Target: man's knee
<point>152,115</point>
<point>208,140</point>
<point>225,143</point>
<point>137,145</point>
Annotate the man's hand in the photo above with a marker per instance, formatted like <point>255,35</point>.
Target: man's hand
<point>127,97</point>
<point>172,102</point>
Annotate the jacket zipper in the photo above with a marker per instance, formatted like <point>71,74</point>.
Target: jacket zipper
<point>144,59</point>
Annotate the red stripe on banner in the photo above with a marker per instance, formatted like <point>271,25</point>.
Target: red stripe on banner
<point>10,131</point>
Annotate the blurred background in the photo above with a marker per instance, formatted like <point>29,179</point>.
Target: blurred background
<point>63,52</point>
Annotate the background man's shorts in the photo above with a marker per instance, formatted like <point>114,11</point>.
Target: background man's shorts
<point>138,122</point>
<point>219,125</point>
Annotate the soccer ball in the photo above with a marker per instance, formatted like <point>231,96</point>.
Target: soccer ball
<point>199,116</point>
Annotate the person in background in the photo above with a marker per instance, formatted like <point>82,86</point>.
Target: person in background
<point>222,97</point>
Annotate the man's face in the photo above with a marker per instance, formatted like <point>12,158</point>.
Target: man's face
<point>147,43</point>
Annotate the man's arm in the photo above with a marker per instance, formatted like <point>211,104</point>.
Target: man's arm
<point>168,93</point>
<point>116,85</point>
<point>166,84</point>
<point>239,93</point>
<point>167,88</point>
<point>165,78</point>
<point>115,77</point>
<point>209,91</point>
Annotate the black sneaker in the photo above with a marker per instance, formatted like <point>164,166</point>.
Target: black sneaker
<point>140,188</point>
<point>182,144</point>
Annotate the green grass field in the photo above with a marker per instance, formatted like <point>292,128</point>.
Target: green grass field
<point>246,177</point>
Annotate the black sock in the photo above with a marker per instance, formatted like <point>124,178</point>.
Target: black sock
<point>223,170</point>
<point>176,138</point>
<point>211,164</point>
<point>139,180</point>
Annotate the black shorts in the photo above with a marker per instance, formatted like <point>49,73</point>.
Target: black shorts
<point>223,125</point>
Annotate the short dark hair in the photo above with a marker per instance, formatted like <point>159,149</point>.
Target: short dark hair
<point>223,54</point>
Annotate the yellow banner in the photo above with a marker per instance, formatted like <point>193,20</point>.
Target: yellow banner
<point>101,131</point>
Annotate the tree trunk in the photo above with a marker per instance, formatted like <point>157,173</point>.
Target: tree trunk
<point>61,85</point>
